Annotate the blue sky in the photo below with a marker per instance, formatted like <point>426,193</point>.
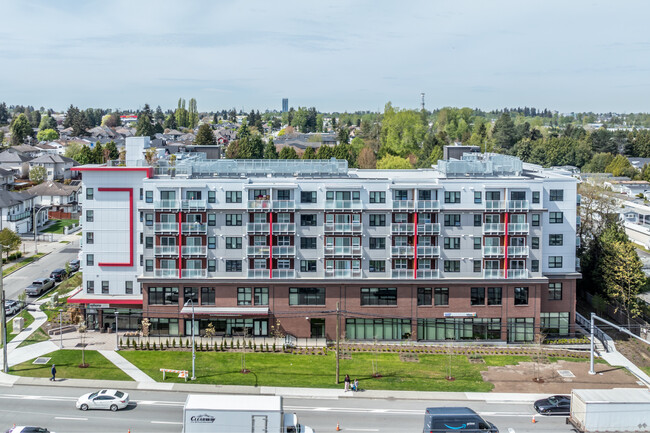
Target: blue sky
<point>335,55</point>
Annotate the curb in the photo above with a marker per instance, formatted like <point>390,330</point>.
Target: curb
<point>33,261</point>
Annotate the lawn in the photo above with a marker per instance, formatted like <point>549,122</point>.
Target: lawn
<point>36,337</point>
<point>58,225</point>
<point>67,362</point>
<point>317,371</point>
<point>23,262</point>
<point>29,319</point>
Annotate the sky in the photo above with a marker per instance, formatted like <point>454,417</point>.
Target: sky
<point>569,55</point>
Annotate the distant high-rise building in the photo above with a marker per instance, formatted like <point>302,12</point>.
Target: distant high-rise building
<point>285,105</point>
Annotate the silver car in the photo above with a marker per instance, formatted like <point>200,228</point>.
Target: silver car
<point>105,399</point>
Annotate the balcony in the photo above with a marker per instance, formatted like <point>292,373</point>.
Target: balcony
<point>259,250</point>
<point>258,227</point>
<point>519,251</point>
<point>402,251</point>
<point>423,205</point>
<point>346,250</point>
<point>284,251</point>
<point>402,228</point>
<point>193,204</point>
<point>517,273</point>
<point>343,273</point>
<point>260,205</point>
<point>347,228</point>
<point>494,251</point>
<point>166,273</point>
<point>284,273</point>
<point>285,205</point>
<point>166,204</point>
<point>428,251</point>
<point>343,205</point>
<point>19,216</point>
<point>494,273</point>
<point>402,274</point>
<point>167,250</point>
<point>428,274</point>
<point>166,227</point>
<point>279,228</point>
<point>194,273</point>
<point>194,250</point>
<point>518,205</point>
<point>194,228</point>
<point>495,205</point>
<point>258,273</point>
<point>518,228</point>
<point>494,229</point>
<point>428,228</point>
<point>403,205</point>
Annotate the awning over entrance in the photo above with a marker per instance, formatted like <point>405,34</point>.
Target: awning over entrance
<point>227,311</point>
<point>104,301</point>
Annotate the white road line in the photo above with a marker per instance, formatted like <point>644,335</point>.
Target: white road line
<point>362,429</point>
<point>71,418</point>
<point>167,422</point>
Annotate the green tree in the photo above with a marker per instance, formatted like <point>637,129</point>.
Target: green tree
<point>4,114</point>
<point>20,130</point>
<point>367,159</point>
<point>111,120</point>
<point>170,122</point>
<point>205,136</point>
<point>270,152</point>
<point>47,122</point>
<point>9,240</point>
<point>98,153</point>
<point>193,114</point>
<point>392,162</point>
<point>324,152</point>
<point>35,118</point>
<point>620,166</point>
<point>402,132</point>
<point>288,152</point>
<point>47,135</point>
<point>251,147</point>
<point>598,163</point>
<point>343,135</point>
<point>85,156</point>
<point>144,125</point>
<point>181,114</point>
<point>309,153</point>
<point>73,150</point>
<point>38,174</point>
<point>113,153</point>
<point>503,133</point>
<point>76,120</point>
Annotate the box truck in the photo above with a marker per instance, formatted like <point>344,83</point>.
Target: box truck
<point>610,410</point>
<point>220,413</point>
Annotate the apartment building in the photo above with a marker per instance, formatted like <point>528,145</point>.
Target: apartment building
<point>481,248</point>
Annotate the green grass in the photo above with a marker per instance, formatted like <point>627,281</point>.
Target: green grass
<point>22,263</point>
<point>64,242</point>
<point>36,337</point>
<point>79,233</point>
<point>58,225</point>
<point>67,367</point>
<point>29,319</point>
<point>65,286</point>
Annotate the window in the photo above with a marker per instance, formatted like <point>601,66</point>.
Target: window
<point>141,193</point>
<point>244,296</point>
<point>477,266</point>
<point>401,195</point>
<point>377,266</point>
<point>477,243</point>
<point>478,197</point>
<point>90,287</point>
<point>452,220</point>
<point>232,243</point>
<point>441,296</point>
<point>534,243</point>
<point>377,220</point>
<point>425,296</point>
<point>90,193</point>
<point>517,195</point>
<point>233,219</point>
<point>535,220</point>
<point>104,287</point>
<point>377,196</point>
<point>535,196</point>
<point>261,295</point>
<point>555,240</point>
<point>148,266</point>
<point>308,266</point>
<point>494,295</point>
<point>308,243</point>
<point>233,196</point>
<point>208,296</point>
<point>534,265</point>
<point>308,197</point>
<point>556,195</point>
<point>148,219</point>
<point>163,295</point>
<point>378,296</point>
<point>212,265</point>
<point>284,194</point>
<point>192,195</point>
<point>452,196</point>
<point>233,265</point>
<point>212,196</point>
<point>283,264</point>
<point>555,324</point>
<point>477,296</point>
<point>306,296</point>
<point>478,220</point>
<point>377,243</point>
<point>401,218</point>
<point>212,243</point>
<point>308,220</point>
<point>148,196</point>
<point>521,295</point>
<point>191,293</point>
<point>555,291</point>
<point>212,219</point>
<point>148,242</point>
<point>492,195</point>
<point>452,265</point>
<point>555,217</point>
<point>90,238</point>
<point>555,262</point>
<point>90,216</point>
<point>452,243</point>
<point>90,259</point>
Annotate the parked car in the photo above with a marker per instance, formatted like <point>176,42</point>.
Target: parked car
<point>12,307</point>
<point>105,399</point>
<point>58,274</point>
<point>26,429</point>
<point>554,405</point>
<point>39,286</point>
<point>74,265</point>
<point>446,419</point>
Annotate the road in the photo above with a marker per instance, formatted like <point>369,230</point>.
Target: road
<point>160,411</point>
<point>15,283</point>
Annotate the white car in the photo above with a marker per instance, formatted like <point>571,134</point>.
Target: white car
<point>105,399</point>
<point>27,429</point>
<point>11,307</point>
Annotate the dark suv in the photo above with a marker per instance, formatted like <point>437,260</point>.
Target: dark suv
<point>455,419</point>
<point>58,274</point>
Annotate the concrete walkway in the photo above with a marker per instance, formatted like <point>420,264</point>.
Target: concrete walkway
<point>124,365</point>
<point>615,358</point>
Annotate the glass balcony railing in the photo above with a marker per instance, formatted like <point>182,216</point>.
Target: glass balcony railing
<point>494,228</point>
<point>346,250</point>
<point>428,204</point>
<point>518,228</point>
<point>284,251</point>
<point>284,228</point>
<point>194,227</point>
<point>428,228</point>
<point>194,250</point>
<point>260,204</point>
<point>517,273</point>
<point>166,273</point>
<point>518,251</point>
<point>343,205</point>
<point>518,205</point>
<point>402,250</point>
<point>343,273</point>
<point>495,205</point>
<point>166,204</point>
<point>284,204</point>
<point>343,227</point>
<point>402,228</point>
<point>428,274</point>
<point>166,227</point>
<point>259,250</point>
<point>402,274</point>
<point>258,227</point>
<point>258,273</point>
<point>166,250</point>
<point>193,204</point>
<point>194,273</point>
<point>428,251</point>
<point>19,216</point>
<point>494,251</point>
<point>403,205</point>
<point>494,273</point>
<point>284,273</point>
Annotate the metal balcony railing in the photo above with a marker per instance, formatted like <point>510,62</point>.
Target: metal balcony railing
<point>428,228</point>
<point>494,251</point>
<point>343,227</point>
<point>518,251</point>
<point>517,273</point>
<point>402,250</point>
<point>284,204</point>
<point>166,250</point>
<point>19,216</point>
<point>284,273</point>
<point>343,273</point>
<point>193,204</point>
<point>166,204</point>
<point>428,274</point>
<point>346,250</point>
<point>343,205</point>
<point>284,251</point>
<point>520,228</point>
<point>194,273</point>
<point>494,273</point>
<point>194,250</point>
<point>265,205</point>
<point>284,228</point>
<point>494,228</point>
<point>403,205</point>
<point>166,273</point>
<point>259,250</point>
<point>404,228</point>
<point>518,205</point>
<point>258,273</point>
<point>194,227</point>
<point>166,227</point>
<point>402,274</point>
<point>428,205</point>
<point>495,205</point>
<point>258,227</point>
<point>428,251</point>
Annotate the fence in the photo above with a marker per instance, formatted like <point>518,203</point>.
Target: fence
<point>60,215</point>
<point>598,333</point>
<point>616,311</point>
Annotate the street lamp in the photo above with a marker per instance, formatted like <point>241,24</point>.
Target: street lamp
<point>117,337</point>
<point>35,223</point>
<point>193,345</point>
<point>3,317</point>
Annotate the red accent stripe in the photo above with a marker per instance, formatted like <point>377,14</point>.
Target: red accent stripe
<point>506,248</point>
<point>415,246</point>
<point>148,170</point>
<point>271,246</point>
<point>180,242</point>
<point>105,301</point>
<point>131,228</point>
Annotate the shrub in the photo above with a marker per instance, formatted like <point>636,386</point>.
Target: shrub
<point>267,347</point>
<point>148,347</point>
<point>154,346</point>
<point>216,347</point>
<point>121,345</point>
<point>273,347</point>
<point>167,344</point>
<point>173,342</point>
<point>238,344</point>
<point>232,344</point>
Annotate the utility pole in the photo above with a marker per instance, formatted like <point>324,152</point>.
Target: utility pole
<point>338,338</point>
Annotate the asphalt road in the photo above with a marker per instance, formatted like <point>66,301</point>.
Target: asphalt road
<point>16,283</point>
<point>53,407</point>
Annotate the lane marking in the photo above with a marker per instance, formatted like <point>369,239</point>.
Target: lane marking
<point>71,418</point>
<point>167,422</point>
<point>362,429</point>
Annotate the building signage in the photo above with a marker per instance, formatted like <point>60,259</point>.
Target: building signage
<point>202,419</point>
<point>460,314</point>
<point>97,305</point>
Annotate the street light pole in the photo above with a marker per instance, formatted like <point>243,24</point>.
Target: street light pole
<point>60,329</point>
<point>117,337</point>
<point>591,357</point>
<point>5,363</point>
<point>193,345</point>
<point>35,224</point>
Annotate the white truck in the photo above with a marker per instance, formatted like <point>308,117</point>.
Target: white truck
<point>220,413</point>
<point>610,410</point>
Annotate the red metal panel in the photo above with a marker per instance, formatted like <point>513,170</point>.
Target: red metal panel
<point>415,245</point>
<point>131,228</point>
<point>180,242</point>
<point>271,245</point>
<point>505,266</point>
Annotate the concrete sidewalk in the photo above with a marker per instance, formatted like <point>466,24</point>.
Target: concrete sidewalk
<point>124,365</point>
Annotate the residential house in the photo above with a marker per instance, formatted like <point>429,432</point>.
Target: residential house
<point>630,188</point>
<point>61,198</point>
<point>16,211</point>
<point>6,179</point>
<point>16,162</point>
<point>58,167</point>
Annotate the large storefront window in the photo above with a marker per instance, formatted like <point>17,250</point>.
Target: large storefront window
<point>380,329</point>
<point>554,324</point>
<point>163,295</point>
<point>378,296</point>
<point>307,296</point>
<point>163,326</point>
<point>521,330</point>
<point>459,329</point>
<point>230,327</point>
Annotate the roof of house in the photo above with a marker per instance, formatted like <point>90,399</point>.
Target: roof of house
<point>25,148</point>
<point>53,159</point>
<point>53,188</point>
<point>11,156</point>
<point>5,172</point>
<point>11,198</point>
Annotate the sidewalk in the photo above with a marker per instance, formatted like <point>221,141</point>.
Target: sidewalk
<point>615,358</point>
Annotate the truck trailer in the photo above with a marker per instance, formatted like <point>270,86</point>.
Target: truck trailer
<point>610,410</point>
<point>219,413</point>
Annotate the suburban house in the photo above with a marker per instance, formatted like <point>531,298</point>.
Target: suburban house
<point>58,167</point>
<point>630,188</point>
<point>16,211</point>
<point>6,179</point>
<point>28,150</point>
<point>62,199</point>
<point>15,162</point>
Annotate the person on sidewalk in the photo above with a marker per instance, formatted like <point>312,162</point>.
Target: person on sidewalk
<point>355,385</point>
<point>53,378</point>
<point>347,382</point>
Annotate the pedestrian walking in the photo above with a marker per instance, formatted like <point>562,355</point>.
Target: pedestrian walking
<point>53,378</point>
<point>347,382</point>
